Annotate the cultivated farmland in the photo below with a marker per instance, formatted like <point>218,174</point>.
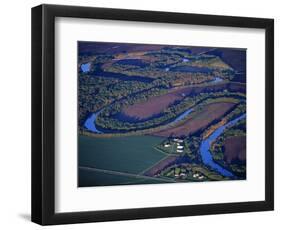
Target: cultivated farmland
<point>198,121</point>
<point>160,113</point>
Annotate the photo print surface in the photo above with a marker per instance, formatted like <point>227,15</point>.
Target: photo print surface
<point>152,114</point>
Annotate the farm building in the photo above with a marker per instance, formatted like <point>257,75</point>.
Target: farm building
<point>178,140</point>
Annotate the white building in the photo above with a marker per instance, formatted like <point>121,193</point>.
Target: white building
<point>195,175</point>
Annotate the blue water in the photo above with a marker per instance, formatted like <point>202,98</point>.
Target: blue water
<point>182,116</point>
<point>90,123</point>
<point>217,79</point>
<point>206,144</point>
<point>85,67</point>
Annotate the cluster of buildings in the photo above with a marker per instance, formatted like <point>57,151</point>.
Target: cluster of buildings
<point>198,176</point>
<point>184,173</point>
<point>179,145</point>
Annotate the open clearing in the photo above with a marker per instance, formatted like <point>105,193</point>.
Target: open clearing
<point>199,120</point>
<point>159,166</point>
<point>95,177</point>
<point>158,104</point>
<point>236,58</point>
<point>235,149</point>
<point>123,154</point>
<point>151,107</point>
<point>114,48</point>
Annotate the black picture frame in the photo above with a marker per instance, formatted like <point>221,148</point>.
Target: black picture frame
<point>43,114</point>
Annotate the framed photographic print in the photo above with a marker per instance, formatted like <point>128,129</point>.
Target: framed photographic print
<point>142,114</point>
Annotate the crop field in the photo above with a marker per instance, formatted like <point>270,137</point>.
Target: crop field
<point>152,107</point>
<point>158,104</point>
<point>122,154</point>
<point>151,113</point>
<point>199,121</point>
<point>91,48</point>
<point>159,166</point>
<point>198,50</point>
<point>90,177</point>
<point>235,149</point>
<point>236,58</point>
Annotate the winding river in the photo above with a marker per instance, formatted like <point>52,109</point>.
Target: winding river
<point>207,158</point>
<point>206,144</point>
<point>181,116</point>
<point>90,123</point>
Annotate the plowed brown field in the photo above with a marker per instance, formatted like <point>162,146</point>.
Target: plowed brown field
<point>156,105</point>
<point>198,121</point>
<point>235,148</point>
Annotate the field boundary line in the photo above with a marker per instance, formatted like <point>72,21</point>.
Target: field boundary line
<point>123,174</point>
<point>154,165</point>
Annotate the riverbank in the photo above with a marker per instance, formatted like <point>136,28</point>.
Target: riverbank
<point>206,155</point>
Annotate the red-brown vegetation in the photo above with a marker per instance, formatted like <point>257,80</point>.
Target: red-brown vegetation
<point>198,121</point>
<point>235,148</point>
<point>151,107</point>
<point>154,170</point>
<point>158,104</point>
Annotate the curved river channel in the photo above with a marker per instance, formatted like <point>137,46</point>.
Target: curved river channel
<point>206,144</point>
<point>90,123</point>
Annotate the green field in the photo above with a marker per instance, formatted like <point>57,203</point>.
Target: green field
<point>151,113</point>
<point>96,178</point>
<point>123,154</point>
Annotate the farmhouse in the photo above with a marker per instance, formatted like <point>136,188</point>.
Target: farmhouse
<point>180,147</point>
<point>195,175</point>
<point>178,140</point>
<point>167,145</point>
